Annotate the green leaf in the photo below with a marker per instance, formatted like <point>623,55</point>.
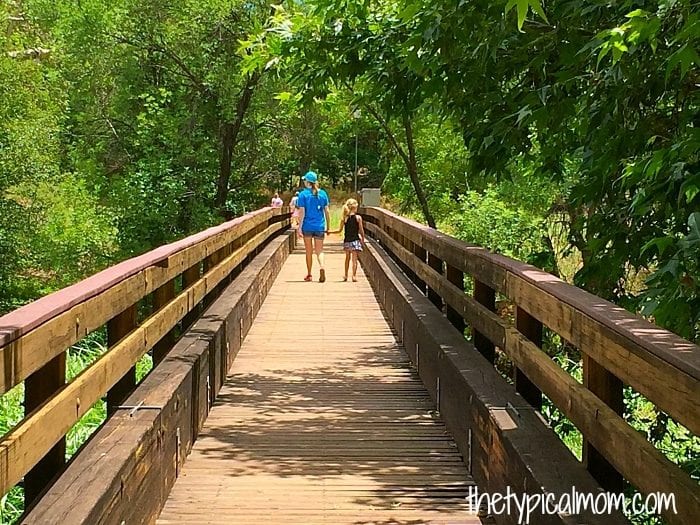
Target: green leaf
<point>694,224</point>
<point>684,58</point>
<point>537,8</point>
<point>523,6</point>
<point>660,243</point>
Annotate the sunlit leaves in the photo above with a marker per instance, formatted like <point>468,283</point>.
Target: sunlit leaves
<point>523,7</point>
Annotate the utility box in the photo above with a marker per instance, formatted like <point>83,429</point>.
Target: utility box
<point>370,196</point>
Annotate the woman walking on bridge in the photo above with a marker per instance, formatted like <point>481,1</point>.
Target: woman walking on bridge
<point>314,217</point>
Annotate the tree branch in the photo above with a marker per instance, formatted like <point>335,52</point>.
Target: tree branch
<point>26,54</point>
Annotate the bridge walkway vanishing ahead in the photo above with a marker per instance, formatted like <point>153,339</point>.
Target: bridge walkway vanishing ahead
<point>321,420</point>
<point>317,415</point>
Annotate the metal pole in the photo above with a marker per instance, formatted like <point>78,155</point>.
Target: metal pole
<point>356,162</point>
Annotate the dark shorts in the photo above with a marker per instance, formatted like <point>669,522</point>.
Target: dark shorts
<point>314,234</point>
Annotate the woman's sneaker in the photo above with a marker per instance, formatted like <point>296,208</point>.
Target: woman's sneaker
<point>322,277</point>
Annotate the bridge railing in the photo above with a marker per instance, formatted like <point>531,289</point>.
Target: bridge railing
<point>175,281</point>
<point>617,347</point>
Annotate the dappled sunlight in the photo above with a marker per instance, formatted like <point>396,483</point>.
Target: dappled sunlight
<point>323,420</point>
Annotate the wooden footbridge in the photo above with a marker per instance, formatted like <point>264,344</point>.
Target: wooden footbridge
<point>273,399</point>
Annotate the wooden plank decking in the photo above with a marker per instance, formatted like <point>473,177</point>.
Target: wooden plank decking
<point>321,421</point>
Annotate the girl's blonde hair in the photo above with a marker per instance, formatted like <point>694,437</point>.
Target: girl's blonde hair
<point>349,206</point>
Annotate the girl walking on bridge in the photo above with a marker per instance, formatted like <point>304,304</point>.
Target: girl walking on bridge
<point>354,236</point>
<point>314,217</point>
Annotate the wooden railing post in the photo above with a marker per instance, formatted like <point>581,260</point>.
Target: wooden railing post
<point>209,262</point>
<point>162,296</point>
<point>117,328</point>
<point>609,389</point>
<point>456,277</point>
<point>436,264</point>
<point>532,329</point>
<point>189,277</point>
<point>485,295</point>
<point>422,255</point>
<point>38,387</point>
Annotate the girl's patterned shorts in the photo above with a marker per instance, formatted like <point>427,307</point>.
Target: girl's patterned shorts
<point>352,246</point>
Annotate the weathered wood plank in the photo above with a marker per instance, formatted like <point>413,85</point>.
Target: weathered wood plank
<point>26,444</point>
<point>662,366</point>
<point>309,420</point>
<point>673,390</point>
<point>126,470</point>
<point>111,293</point>
<point>625,448</point>
<point>609,433</point>
<point>25,319</point>
<point>501,447</point>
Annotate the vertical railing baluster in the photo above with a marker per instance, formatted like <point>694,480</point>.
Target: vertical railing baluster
<point>436,264</point>
<point>532,329</point>
<point>485,295</point>
<point>456,277</point>
<point>609,389</point>
<point>162,296</point>
<point>38,387</point>
<point>117,328</point>
<point>422,256</point>
<point>189,277</point>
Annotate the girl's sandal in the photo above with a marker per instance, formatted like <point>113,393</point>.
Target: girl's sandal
<point>308,278</point>
<point>354,279</point>
<point>322,276</point>
<point>345,278</point>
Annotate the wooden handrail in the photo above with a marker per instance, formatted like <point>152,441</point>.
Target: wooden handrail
<point>618,347</point>
<point>34,336</point>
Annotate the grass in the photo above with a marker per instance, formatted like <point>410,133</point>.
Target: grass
<point>80,356</point>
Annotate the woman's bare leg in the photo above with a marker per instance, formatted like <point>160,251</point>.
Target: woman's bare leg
<point>318,248</point>
<point>308,249</point>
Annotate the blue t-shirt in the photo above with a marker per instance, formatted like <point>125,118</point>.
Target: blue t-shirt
<point>314,210</point>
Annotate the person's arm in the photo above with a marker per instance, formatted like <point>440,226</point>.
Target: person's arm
<point>361,228</point>
<point>300,218</point>
<point>328,217</point>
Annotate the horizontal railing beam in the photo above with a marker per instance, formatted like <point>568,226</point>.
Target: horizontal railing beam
<point>622,446</point>
<point>104,295</point>
<point>660,365</point>
<point>27,443</point>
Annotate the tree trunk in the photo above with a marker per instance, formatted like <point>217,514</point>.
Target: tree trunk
<point>408,159</point>
<point>412,166</point>
<point>229,139</point>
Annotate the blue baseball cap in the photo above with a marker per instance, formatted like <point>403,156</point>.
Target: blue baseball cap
<point>311,177</point>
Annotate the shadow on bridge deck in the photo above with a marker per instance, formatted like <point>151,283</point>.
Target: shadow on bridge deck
<point>322,420</point>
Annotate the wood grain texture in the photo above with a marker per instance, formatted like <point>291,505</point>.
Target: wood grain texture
<point>500,436</point>
<point>23,320</point>
<point>660,365</point>
<point>26,443</point>
<point>321,420</point>
<point>125,471</point>
<point>625,448</point>
<point>42,331</point>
